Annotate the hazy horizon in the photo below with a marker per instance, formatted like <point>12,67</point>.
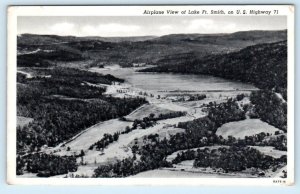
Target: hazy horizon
<point>117,26</point>
<point>148,35</point>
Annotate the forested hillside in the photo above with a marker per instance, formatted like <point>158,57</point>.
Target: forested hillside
<point>264,65</point>
<point>63,104</point>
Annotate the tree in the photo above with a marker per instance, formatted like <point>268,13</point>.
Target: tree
<point>151,115</point>
<point>82,153</point>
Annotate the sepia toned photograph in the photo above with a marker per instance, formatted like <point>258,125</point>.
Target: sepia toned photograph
<point>151,95</point>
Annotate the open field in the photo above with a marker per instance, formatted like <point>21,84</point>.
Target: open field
<point>93,134</point>
<point>22,121</point>
<point>248,127</point>
<point>120,149</point>
<point>115,151</point>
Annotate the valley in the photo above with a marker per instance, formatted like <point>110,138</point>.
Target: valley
<point>111,118</point>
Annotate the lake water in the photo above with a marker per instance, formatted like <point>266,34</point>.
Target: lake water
<point>170,81</point>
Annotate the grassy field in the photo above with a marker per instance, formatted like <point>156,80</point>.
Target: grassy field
<point>94,133</point>
<point>22,121</point>
<point>248,127</point>
<point>115,151</point>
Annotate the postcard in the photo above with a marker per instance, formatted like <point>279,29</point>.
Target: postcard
<point>150,95</point>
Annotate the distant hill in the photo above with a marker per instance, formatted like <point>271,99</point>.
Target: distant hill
<point>35,39</point>
<point>255,35</point>
<point>174,48</point>
<point>122,39</point>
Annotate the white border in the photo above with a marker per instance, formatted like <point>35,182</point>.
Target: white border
<point>15,11</point>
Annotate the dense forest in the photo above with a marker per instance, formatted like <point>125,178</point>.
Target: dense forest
<point>59,103</point>
<point>46,165</point>
<point>47,59</point>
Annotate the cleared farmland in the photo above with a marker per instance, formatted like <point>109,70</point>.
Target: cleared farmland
<point>248,127</point>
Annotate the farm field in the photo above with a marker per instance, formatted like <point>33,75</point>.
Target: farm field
<point>248,127</point>
<point>116,151</point>
<point>94,133</point>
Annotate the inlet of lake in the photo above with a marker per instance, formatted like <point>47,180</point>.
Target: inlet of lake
<point>172,82</point>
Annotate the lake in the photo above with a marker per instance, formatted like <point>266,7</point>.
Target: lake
<point>170,81</point>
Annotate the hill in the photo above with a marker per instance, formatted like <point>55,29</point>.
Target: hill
<point>148,49</point>
<point>34,39</point>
